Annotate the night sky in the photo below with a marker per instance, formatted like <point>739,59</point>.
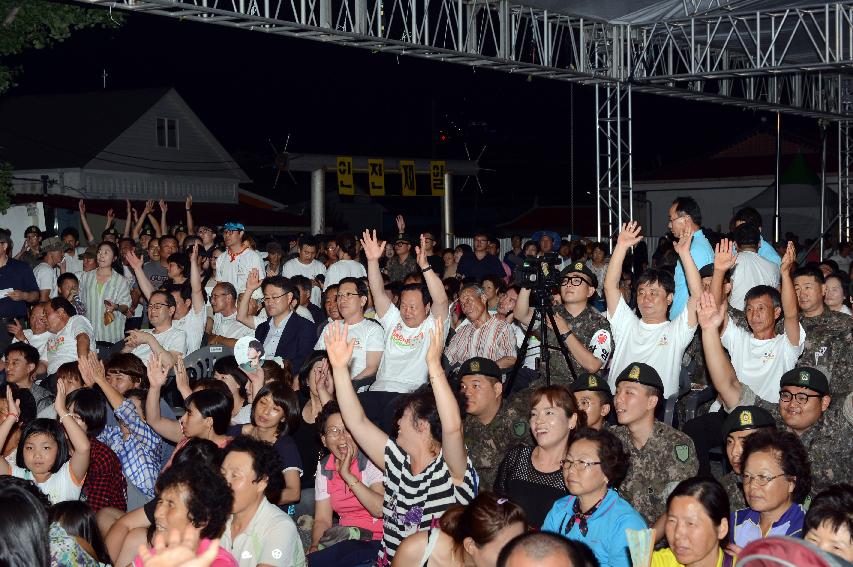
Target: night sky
<point>249,87</point>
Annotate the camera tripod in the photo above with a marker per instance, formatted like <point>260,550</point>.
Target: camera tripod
<point>543,312</point>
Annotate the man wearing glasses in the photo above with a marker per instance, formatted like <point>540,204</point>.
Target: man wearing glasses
<point>584,331</point>
<point>804,405</point>
<point>403,263</point>
<point>686,217</point>
<point>164,338</point>
<point>351,298</point>
<point>282,334</point>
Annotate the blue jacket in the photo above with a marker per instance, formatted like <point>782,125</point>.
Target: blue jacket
<point>606,536</point>
<point>297,340</point>
<point>703,254</point>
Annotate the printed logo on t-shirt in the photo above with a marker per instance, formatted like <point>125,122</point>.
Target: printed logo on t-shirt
<point>768,357</point>
<point>276,553</point>
<point>246,554</point>
<point>663,341</point>
<point>401,340</point>
<point>55,344</point>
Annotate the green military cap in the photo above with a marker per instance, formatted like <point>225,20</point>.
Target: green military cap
<point>806,377</point>
<point>743,418</point>
<point>642,374</point>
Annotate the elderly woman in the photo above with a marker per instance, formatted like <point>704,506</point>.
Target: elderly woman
<point>426,467</point>
<point>776,480</point>
<point>533,476</point>
<point>696,524</point>
<point>106,295</point>
<point>350,486</point>
<point>594,513</point>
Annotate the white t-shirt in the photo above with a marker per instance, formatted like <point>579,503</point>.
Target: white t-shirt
<point>368,336</point>
<point>760,363</point>
<point>270,539</point>
<point>172,340</point>
<point>46,277</point>
<point>38,341</point>
<point>236,271</point>
<point>296,268</point>
<point>192,324</point>
<point>62,347</point>
<point>751,270</point>
<point>343,269</point>
<point>403,367</point>
<point>59,487</point>
<point>229,327</point>
<point>660,345</point>
<point>73,263</point>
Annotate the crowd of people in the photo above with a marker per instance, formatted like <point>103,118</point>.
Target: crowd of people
<point>694,406</point>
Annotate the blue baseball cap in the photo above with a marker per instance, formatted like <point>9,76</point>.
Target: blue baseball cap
<point>233,226</point>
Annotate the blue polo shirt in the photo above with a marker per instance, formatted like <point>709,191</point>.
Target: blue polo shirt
<point>703,254</point>
<point>16,275</point>
<point>766,251</point>
<point>606,527</point>
<point>745,528</point>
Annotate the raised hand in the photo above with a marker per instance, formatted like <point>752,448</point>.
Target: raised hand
<point>128,205</point>
<point>421,255</point>
<point>164,208</point>
<point>13,406</point>
<point>177,550</point>
<point>59,402</point>
<point>188,204</point>
<point>373,248</point>
<point>337,346</point>
<point>156,373</point>
<point>134,261</point>
<point>194,254</point>
<point>110,216</point>
<point>708,314</point>
<point>436,345</point>
<point>682,246</point>
<point>182,379</point>
<point>253,280</point>
<point>630,234</point>
<point>724,255</point>
<point>790,258</point>
<point>82,207</point>
<point>87,371</point>
<point>16,330</point>
<point>149,207</point>
<point>134,215</point>
<point>401,223</point>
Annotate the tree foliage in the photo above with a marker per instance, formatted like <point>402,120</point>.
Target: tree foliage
<point>36,24</point>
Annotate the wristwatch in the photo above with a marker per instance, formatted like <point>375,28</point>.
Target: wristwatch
<point>565,335</point>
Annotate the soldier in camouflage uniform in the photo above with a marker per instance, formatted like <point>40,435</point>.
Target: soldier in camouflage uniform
<point>491,427</point>
<point>828,333</point>
<point>580,327</point>
<point>592,394</point>
<point>661,456</point>
<point>399,267</point>
<point>742,422</point>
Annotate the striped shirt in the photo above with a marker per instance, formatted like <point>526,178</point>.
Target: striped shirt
<point>93,294</point>
<point>414,502</point>
<point>493,340</point>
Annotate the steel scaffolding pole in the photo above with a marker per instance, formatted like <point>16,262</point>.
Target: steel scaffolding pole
<point>447,212</point>
<point>614,159</point>
<point>318,201</point>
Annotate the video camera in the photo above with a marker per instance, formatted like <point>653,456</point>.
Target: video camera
<point>540,273</point>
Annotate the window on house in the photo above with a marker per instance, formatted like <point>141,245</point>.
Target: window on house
<point>167,133</point>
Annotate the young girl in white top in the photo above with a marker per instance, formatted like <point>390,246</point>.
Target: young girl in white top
<point>43,452</point>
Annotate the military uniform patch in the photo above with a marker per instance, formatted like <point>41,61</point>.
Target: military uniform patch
<point>579,266</point>
<point>804,377</point>
<point>593,382</point>
<point>745,418</point>
<point>475,366</point>
<point>682,453</point>
<point>519,428</point>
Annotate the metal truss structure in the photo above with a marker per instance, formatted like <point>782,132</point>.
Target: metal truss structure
<point>789,57</point>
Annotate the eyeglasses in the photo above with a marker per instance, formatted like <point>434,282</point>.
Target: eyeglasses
<point>759,479</point>
<point>801,397</point>
<point>335,431</point>
<point>567,464</point>
<point>158,306</point>
<point>401,244</point>
<point>345,295</point>
<point>574,281</point>
<point>270,299</point>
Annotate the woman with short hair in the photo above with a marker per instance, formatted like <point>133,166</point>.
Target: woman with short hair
<point>594,513</point>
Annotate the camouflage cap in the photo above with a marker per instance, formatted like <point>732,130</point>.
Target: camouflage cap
<point>641,373</point>
<point>91,253</point>
<point>111,231</point>
<point>587,382</point>
<point>806,377</point>
<point>52,244</point>
<point>481,366</point>
<point>743,418</point>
